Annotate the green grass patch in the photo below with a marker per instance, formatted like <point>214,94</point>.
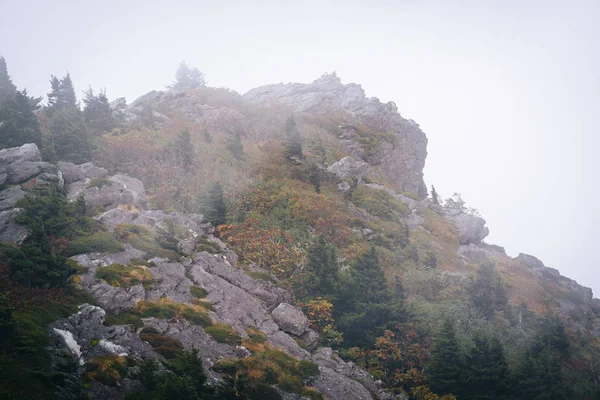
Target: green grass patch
<point>206,245</point>
<point>99,183</point>
<point>120,275</point>
<point>142,239</point>
<point>166,346</point>
<point>255,335</point>
<point>108,370</point>
<point>198,292</point>
<point>379,203</point>
<point>168,309</point>
<point>268,366</point>
<point>224,333</point>
<point>129,318</point>
<point>103,242</point>
<point>263,276</point>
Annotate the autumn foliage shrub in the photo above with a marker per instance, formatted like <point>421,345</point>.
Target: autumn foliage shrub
<point>272,250</point>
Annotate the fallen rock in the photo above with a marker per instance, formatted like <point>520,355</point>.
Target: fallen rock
<point>347,168</point>
<point>114,191</point>
<point>73,173</point>
<point>10,231</point>
<point>10,196</point>
<point>290,319</point>
<point>471,228</point>
<point>27,152</point>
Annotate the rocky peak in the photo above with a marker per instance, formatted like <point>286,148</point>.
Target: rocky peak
<point>401,160</point>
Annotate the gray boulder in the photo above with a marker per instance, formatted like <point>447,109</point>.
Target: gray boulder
<point>347,168</point>
<point>10,196</point>
<point>290,319</point>
<point>27,152</point>
<point>117,190</point>
<point>21,171</point>
<point>10,231</point>
<point>73,173</point>
<point>471,228</point>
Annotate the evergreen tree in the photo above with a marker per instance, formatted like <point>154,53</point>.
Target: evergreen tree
<point>206,135</point>
<point>447,365</point>
<point>235,146</point>
<point>212,205</point>
<point>321,274</point>
<point>487,292</point>
<point>184,150</point>
<point>7,324</point>
<point>485,369</point>
<point>7,88</point>
<point>18,123</point>
<point>66,137</point>
<point>366,306</point>
<point>434,195</point>
<point>97,112</point>
<point>293,143</point>
<point>187,78</point>
<point>315,176</point>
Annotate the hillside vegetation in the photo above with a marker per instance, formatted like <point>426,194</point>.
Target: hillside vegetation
<point>320,200</point>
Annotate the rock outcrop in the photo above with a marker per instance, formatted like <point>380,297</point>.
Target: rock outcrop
<point>400,160</point>
<point>21,168</point>
<point>235,298</point>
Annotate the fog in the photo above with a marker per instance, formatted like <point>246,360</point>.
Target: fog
<point>508,93</point>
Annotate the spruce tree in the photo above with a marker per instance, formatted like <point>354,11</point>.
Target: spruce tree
<point>485,369</point>
<point>18,123</point>
<point>235,146</point>
<point>7,88</point>
<point>487,292</point>
<point>366,306</point>
<point>184,150</point>
<point>212,205</point>
<point>7,324</point>
<point>293,143</point>
<point>97,112</point>
<point>445,369</point>
<point>187,78</point>
<point>434,195</point>
<point>322,276</point>
<point>206,135</point>
<point>66,137</point>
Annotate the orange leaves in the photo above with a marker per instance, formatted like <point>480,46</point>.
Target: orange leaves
<point>320,315</point>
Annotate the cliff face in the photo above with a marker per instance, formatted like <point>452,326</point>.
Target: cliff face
<point>235,299</point>
<point>401,161</point>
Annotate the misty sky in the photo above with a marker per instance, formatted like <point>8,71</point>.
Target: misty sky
<point>508,92</point>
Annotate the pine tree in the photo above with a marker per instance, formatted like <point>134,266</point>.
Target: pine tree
<point>212,205</point>
<point>293,143</point>
<point>7,88</point>
<point>366,306</point>
<point>434,195</point>
<point>321,274</point>
<point>7,324</point>
<point>184,150</point>
<point>206,135</point>
<point>369,280</point>
<point>485,369</point>
<point>235,146</point>
<point>187,78</point>
<point>315,176</point>
<point>487,292</point>
<point>97,112</point>
<point>445,369</point>
<point>18,123</point>
<point>66,137</point>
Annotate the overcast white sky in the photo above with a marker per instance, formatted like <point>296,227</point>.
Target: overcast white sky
<point>508,92</point>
